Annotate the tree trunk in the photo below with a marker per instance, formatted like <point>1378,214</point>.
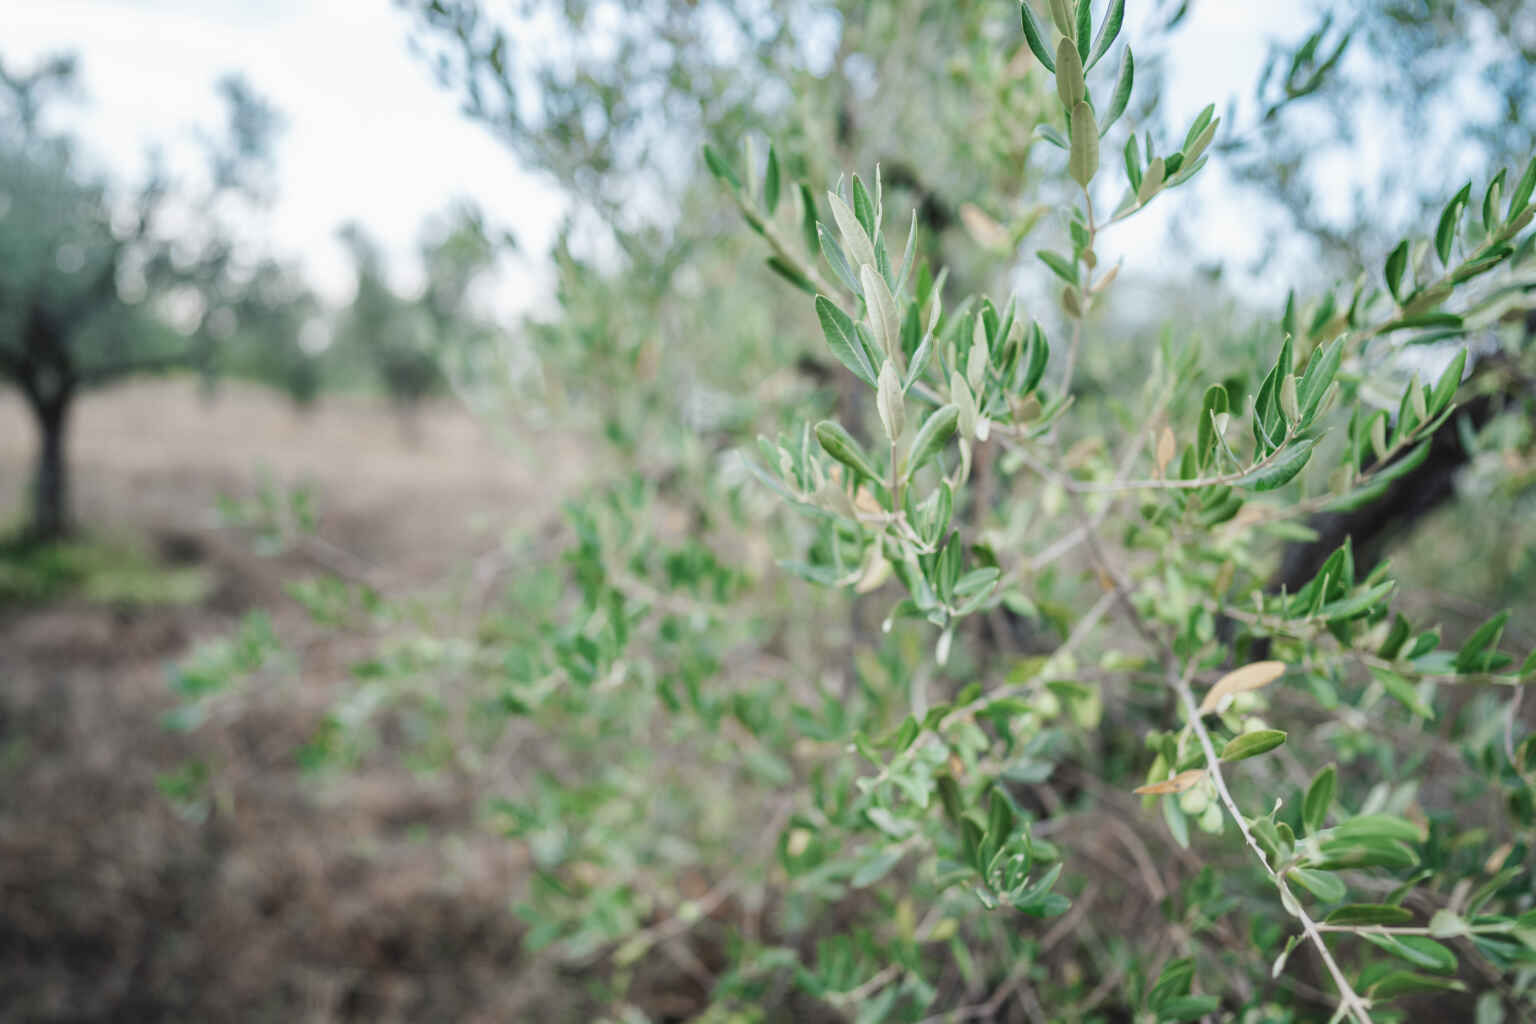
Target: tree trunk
<point>50,482</point>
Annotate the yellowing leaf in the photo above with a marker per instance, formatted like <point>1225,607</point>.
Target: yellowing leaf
<point>1249,677</point>
<point>1178,784</point>
<point>1165,448</point>
<point>982,228</point>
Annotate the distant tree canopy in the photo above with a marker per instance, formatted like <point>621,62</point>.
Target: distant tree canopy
<point>260,327</point>
<point>403,339</point>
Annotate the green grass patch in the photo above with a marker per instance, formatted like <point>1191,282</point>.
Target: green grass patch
<point>98,571</point>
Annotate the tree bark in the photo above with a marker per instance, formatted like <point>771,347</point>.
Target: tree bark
<point>50,482</point>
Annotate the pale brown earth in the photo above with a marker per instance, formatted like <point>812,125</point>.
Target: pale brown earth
<point>377,895</point>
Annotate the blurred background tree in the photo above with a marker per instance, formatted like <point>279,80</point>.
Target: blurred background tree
<point>90,289</point>
<point>270,327</point>
<point>408,342</point>
<point>387,332</point>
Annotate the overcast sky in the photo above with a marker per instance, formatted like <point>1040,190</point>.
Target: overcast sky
<point>371,136</point>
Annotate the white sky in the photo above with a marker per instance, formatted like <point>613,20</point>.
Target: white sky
<point>370,136</point>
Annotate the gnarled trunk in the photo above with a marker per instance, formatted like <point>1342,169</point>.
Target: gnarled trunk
<point>50,481</point>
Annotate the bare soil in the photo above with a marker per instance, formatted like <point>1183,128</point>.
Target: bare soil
<point>378,896</point>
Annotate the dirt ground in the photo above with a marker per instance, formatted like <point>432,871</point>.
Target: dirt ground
<point>289,899</point>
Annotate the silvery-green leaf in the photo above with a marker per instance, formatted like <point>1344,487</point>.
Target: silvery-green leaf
<point>883,315</point>
<point>889,401</point>
<point>1069,75</point>
<point>1084,159</point>
<point>855,239</point>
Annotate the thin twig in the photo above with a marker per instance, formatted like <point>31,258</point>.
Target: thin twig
<point>1179,680</point>
<point>1351,1001</point>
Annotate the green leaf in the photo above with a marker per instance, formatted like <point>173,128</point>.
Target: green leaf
<point>1339,854</point>
<point>808,224</point>
<point>1037,352</point>
<point>1061,14</point>
<point>1369,914</point>
<point>1050,133</point>
<point>1121,96</point>
<point>1397,983</point>
<point>1214,404</point>
<point>792,275</point>
<point>1083,163</point>
<point>838,443</point>
<point>1178,824</point>
<point>1252,744</point>
<point>1356,604</point>
<point>1324,885</point>
<point>1450,223</point>
<point>771,182</point>
<point>999,820</point>
<point>720,169</point>
<point>1187,171</point>
<point>1397,262</point>
<point>884,316</point>
<point>1070,86</point>
<point>833,251</point>
<point>976,581</point>
<point>1424,643</point>
<point>907,256</point>
<point>1416,949</point>
<point>1487,635</point>
<point>1321,370</point>
<point>1036,38</point>
<point>1491,201</point>
<point>843,339</point>
<point>1282,470</point>
<point>970,840</point>
<point>949,796</point>
<point>861,251</point>
<point>1202,121</point>
<point>1172,981</point>
<point>864,208</point>
<point>1133,163</point>
<point>1314,812</point>
<point>1196,148</point>
<point>1084,28</point>
<point>1393,644</point>
<point>873,868</point>
<point>1402,691</point>
<point>1445,387</point>
<point>1060,265</point>
<point>1151,181</point>
<point>1419,320</point>
<point>919,362</point>
<point>935,432</point>
<point>902,736</point>
<point>1482,264</point>
<point>1447,924</point>
<point>1522,193</point>
<point>1109,29</point>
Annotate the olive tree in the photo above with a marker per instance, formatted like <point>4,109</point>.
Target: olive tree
<point>967,691</point>
<point>85,273</point>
